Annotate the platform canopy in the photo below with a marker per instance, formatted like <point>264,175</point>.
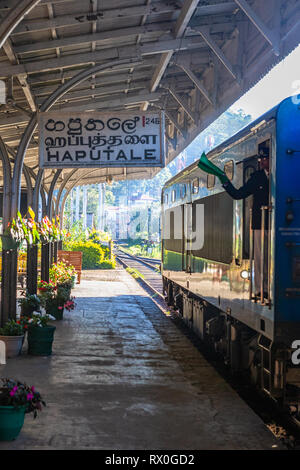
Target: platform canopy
<point>192,59</point>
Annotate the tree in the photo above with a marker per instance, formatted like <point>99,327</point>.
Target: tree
<point>109,197</point>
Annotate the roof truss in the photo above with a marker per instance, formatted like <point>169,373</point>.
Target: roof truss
<point>193,59</point>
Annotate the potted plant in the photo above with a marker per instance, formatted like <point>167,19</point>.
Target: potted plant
<point>55,305</point>
<point>16,399</point>
<point>29,303</point>
<point>46,292</point>
<point>52,298</point>
<point>63,276</point>
<point>46,289</point>
<point>40,335</point>
<point>12,334</point>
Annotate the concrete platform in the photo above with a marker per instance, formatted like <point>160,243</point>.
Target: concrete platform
<point>122,376</point>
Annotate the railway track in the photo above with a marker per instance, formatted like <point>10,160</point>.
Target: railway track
<point>151,277</point>
<point>149,262</point>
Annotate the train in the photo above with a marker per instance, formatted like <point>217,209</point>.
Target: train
<point>208,262</point>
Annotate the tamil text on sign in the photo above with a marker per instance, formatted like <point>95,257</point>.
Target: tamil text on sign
<point>70,140</point>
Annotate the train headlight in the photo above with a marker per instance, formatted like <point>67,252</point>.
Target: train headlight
<point>245,274</point>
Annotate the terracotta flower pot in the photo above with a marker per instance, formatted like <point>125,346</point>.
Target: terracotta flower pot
<point>13,345</point>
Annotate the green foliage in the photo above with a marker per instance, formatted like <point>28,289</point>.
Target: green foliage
<point>12,328</point>
<point>15,393</point>
<point>40,321</point>
<point>99,236</point>
<point>92,253</point>
<point>94,245</point>
<point>63,294</point>
<point>61,273</point>
<point>77,234</point>
<point>135,273</point>
<point>142,248</point>
<point>109,197</point>
<point>29,303</point>
<point>108,264</point>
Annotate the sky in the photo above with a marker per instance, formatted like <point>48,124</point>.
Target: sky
<point>282,81</point>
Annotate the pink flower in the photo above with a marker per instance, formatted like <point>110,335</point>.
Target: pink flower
<point>29,396</point>
<point>32,389</point>
<point>59,308</point>
<point>12,393</point>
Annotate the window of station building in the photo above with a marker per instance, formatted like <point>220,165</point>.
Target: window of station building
<point>195,186</point>
<point>183,191</point>
<point>173,195</point>
<point>229,170</point>
<point>211,179</point>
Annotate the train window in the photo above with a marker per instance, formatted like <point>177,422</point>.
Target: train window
<point>166,198</point>
<point>173,196</point>
<point>265,147</point>
<point>211,179</point>
<point>196,186</point>
<point>229,170</point>
<point>218,226</point>
<point>183,191</point>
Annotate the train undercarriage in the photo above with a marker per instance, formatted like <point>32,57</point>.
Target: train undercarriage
<point>245,351</point>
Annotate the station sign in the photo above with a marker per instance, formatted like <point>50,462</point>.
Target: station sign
<point>78,140</point>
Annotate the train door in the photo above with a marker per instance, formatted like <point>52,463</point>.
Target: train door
<point>256,245</point>
<point>187,242</point>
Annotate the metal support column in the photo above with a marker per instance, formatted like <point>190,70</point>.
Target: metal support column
<point>84,208</point>
<point>50,193</point>
<point>45,262</point>
<point>32,251</point>
<point>9,285</point>
<point>32,269</point>
<point>55,249</point>
<point>9,258</point>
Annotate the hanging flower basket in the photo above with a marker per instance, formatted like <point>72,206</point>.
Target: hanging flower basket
<point>8,243</point>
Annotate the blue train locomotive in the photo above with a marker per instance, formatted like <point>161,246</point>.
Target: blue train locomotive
<point>207,253</point>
